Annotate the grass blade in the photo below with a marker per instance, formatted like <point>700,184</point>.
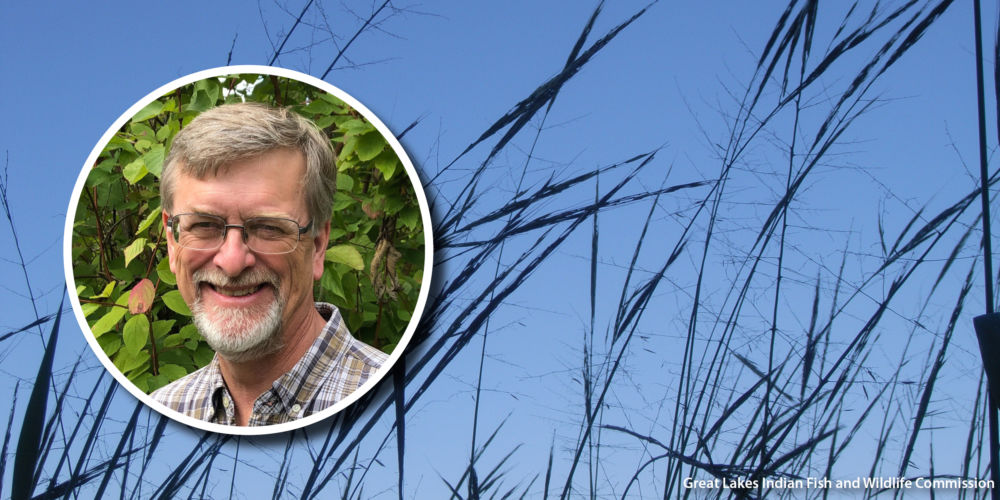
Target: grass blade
<point>26,457</point>
<point>39,321</point>
<point>399,399</point>
<point>6,435</point>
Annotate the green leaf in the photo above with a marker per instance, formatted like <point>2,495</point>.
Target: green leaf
<point>162,327</point>
<point>332,99</point>
<point>155,382</point>
<point>175,302</point>
<point>341,203</point>
<point>190,332</point>
<point>324,121</point>
<point>343,160</point>
<point>344,182</point>
<point>99,176</point>
<point>409,217</point>
<point>108,321</point>
<point>357,127</point>
<point>119,271</point>
<point>394,204</point>
<point>118,142</point>
<point>211,88</point>
<point>135,171</point>
<point>127,361</point>
<point>150,110</point>
<point>386,163</point>
<point>173,340</point>
<point>110,287</point>
<point>164,273</point>
<point>89,308</point>
<point>176,357</point>
<point>122,358</point>
<point>172,372</point>
<point>203,355</point>
<point>403,314</point>
<point>349,282</point>
<point>346,254</point>
<point>370,145</point>
<point>141,380</point>
<point>142,131</point>
<point>200,101</point>
<point>170,105</point>
<point>330,282</point>
<point>153,159</point>
<point>318,107</point>
<point>136,333</point>
<point>149,220</point>
<point>132,251</point>
<point>110,344</point>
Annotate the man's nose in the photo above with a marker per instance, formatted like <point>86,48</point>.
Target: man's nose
<point>234,256</point>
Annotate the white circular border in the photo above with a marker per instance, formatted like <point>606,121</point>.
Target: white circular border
<point>424,214</point>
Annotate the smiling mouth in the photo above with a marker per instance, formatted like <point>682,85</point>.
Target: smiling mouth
<point>249,285</point>
<point>236,291</point>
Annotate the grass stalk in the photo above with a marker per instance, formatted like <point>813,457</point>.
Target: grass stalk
<point>30,437</point>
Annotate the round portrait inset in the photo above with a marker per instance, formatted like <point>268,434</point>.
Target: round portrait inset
<point>250,249</point>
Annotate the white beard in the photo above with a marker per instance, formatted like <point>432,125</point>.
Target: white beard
<point>239,334</point>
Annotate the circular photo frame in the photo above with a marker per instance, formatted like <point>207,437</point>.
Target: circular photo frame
<point>138,271</point>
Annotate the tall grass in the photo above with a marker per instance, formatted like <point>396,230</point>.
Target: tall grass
<point>779,369</point>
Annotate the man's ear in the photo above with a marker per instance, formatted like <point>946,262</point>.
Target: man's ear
<point>171,246</point>
<point>319,242</point>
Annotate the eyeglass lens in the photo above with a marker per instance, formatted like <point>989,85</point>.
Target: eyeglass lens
<point>261,234</point>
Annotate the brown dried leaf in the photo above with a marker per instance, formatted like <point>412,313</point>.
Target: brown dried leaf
<point>370,211</point>
<point>383,271</point>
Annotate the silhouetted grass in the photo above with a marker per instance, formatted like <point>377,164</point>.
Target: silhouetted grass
<point>804,401</point>
<point>6,436</point>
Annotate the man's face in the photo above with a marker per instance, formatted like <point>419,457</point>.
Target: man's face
<point>244,303</point>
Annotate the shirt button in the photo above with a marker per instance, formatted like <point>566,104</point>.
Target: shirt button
<point>296,408</point>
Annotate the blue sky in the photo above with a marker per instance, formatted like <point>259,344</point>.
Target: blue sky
<point>671,81</point>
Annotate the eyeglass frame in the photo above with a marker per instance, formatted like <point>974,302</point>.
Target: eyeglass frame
<point>172,221</point>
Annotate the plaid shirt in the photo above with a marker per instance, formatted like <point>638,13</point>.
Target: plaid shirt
<point>334,366</point>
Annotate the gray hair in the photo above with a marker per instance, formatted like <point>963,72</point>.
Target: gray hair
<point>240,131</point>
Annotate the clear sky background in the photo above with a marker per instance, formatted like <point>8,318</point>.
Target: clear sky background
<point>673,81</point>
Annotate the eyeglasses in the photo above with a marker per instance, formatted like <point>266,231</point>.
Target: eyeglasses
<point>264,235</point>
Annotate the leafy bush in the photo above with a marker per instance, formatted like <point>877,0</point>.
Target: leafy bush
<point>374,264</point>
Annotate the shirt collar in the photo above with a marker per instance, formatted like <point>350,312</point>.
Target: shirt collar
<point>299,385</point>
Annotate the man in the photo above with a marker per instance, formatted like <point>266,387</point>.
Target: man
<point>247,192</point>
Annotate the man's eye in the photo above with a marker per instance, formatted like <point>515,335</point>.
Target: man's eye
<point>269,230</point>
<point>203,227</point>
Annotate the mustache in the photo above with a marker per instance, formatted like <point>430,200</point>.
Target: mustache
<point>250,277</point>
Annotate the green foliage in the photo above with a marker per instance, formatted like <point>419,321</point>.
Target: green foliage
<point>374,264</point>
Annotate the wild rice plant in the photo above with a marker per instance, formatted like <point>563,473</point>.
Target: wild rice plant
<point>779,370</point>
